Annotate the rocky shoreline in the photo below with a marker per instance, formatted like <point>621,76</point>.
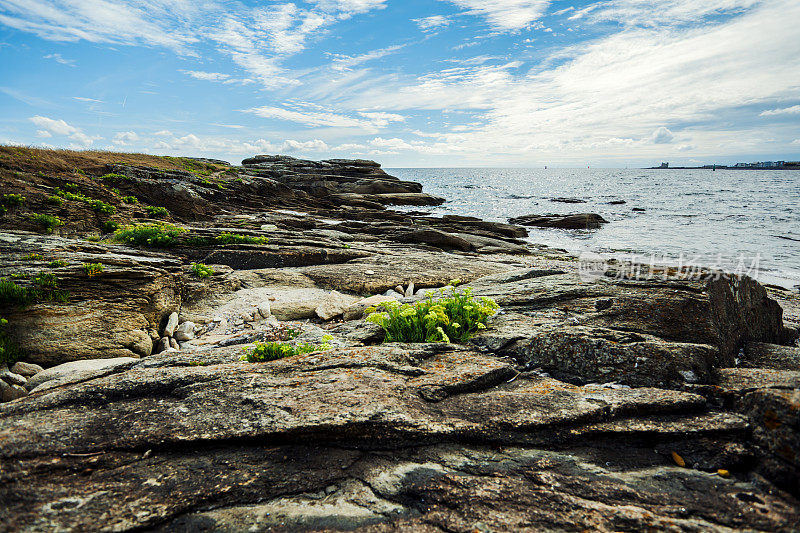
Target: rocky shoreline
<point>609,404</point>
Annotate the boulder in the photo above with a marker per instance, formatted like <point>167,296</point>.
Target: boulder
<point>334,305</point>
<point>26,369</point>
<point>10,392</point>
<point>172,323</point>
<point>76,371</point>
<point>578,221</point>
<point>185,331</point>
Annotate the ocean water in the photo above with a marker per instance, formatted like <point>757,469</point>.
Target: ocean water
<point>747,221</point>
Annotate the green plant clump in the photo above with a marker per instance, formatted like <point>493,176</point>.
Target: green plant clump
<point>58,263</point>
<point>271,351</point>
<point>55,200</point>
<point>157,211</point>
<point>102,207</point>
<point>110,226</point>
<point>92,269</point>
<point>156,235</point>
<point>33,257</point>
<point>451,318</point>
<point>48,222</point>
<point>71,187</point>
<point>13,199</point>
<point>44,287</point>
<point>130,200</point>
<point>201,270</point>
<point>9,351</point>
<point>236,238</point>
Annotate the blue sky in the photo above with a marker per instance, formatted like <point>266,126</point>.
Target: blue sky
<point>407,82</point>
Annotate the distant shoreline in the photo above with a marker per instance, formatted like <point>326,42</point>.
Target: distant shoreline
<point>723,167</point>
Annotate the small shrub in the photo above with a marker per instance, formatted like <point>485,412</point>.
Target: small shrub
<point>454,318</point>
<point>201,270</point>
<point>194,240</point>
<point>55,200</point>
<point>33,257</point>
<point>48,222</point>
<point>13,294</point>
<point>157,211</point>
<point>71,187</point>
<point>9,351</point>
<point>44,287</point>
<point>92,269</point>
<point>159,235</point>
<point>13,199</point>
<point>271,351</point>
<point>102,207</point>
<point>110,226</point>
<point>236,238</point>
<point>58,263</point>
<point>130,200</point>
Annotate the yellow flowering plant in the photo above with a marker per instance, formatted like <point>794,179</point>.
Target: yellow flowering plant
<point>453,317</point>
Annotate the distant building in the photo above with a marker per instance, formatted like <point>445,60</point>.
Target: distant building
<point>664,165</point>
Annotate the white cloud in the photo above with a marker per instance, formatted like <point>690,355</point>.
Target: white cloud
<point>380,119</point>
<point>308,146</point>
<point>342,62</point>
<point>622,86</point>
<point>662,136</point>
<point>505,15</point>
<point>370,121</point>
<point>206,76</point>
<point>44,134</point>
<point>89,100</point>
<point>59,127</point>
<point>167,23</point>
<point>656,13</point>
<point>58,59</point>
<point>432,23</point>
<point>794,110</point>
<point>125,138</point>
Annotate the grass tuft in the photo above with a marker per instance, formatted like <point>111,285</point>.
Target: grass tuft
<point>48,222</point>
<point>271,351</point>
<point>454,317</point>
<point>201,270</point>
<point>93,269</point>
<point>157,211</point>
<point>236,238</point>
<point>156,235</point>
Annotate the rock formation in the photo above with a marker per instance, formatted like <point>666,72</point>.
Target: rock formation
<point>605,404</point>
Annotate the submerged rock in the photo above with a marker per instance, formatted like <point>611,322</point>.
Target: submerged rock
<point>580,221</point>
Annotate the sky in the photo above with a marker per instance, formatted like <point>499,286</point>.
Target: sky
<point>408,83</point>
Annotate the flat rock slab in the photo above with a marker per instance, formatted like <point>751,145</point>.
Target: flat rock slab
<point>377,274</point>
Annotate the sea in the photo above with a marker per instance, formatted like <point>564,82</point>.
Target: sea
<point>743,221</point>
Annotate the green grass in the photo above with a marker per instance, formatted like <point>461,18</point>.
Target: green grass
<point>58,263</point>
<point>55,200</point>
<point>201,270</point>
<point>93,269</point>
<point>9,351</point>
<point>96,205</point>
<point>236,238</point>
<point>157,211</point>
<point>71,187</point>
<point>454,317</point>
<point>47,222</point>
<point>155,235</point>
<point>43,287</point>
<point>130,200</point>
<point>13,199</point>
<point>102,207</point>
<point>271,351</point>
<point>33,257</point>
<point>110,226</point>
